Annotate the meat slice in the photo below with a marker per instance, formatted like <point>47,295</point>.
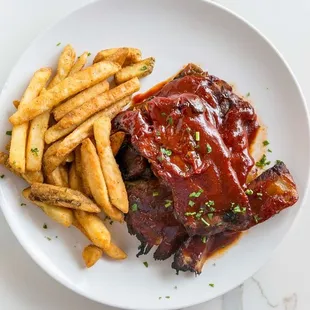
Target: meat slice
<point>273,191</point>
<point>151,218</point>
<point>270,193</point>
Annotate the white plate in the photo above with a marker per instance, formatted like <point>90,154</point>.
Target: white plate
<point>175,32</point>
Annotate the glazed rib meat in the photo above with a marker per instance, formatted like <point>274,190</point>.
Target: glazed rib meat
<point>273,191</point>
<point>189,144</point>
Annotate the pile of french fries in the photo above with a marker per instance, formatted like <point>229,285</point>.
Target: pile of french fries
<point>62,145</point>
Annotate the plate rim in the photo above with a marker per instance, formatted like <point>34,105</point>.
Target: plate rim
<point>45,267</point>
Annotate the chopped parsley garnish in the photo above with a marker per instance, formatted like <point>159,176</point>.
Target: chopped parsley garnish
<point>219,224</point>
<point>279,161</point>
<point>48,238</point>
<point>168,203</point>
<point>9,133</point>
<point>211,284</point>
<point>256,218</point>
<point>209,148</point>
<point>160,158</point>
<point>167,297</point>
<point>196,194</point>
<point>166,151</point>
<point>204,221</point>
<point>190,213</point>
<point>209,204</point>
<point>248,94</point>
<point>159,298</point>
<point>157,133</point>
<point>263,162</point>
<point>191,203</point>
<point>2,176</point>
<point>238,209</point>
<point>249,192</point>
<point>35,151</point>
<point>88,54</point>
<point>143,68</point>
<point>204,239</point>
<point>44,226</point>
<point>58,44</point>
<point>269,150</point>
<point>155,194</point>
<point>197,136</point>
<point>23,204</point>
<point>170,120</point>
<point>265,143</point>
<point>210,216</point>
<point>111,222</point>
<point>175,287</point>
<point>146,264</point>
<point>163,114</point>
<point>134,207</point>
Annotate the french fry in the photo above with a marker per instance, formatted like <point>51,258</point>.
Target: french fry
<point>91,255</point>
<point>112,250</point>
<point>115,252</point>
<point>33,176</point>
<point>16,103</point>
<point>95,228</point>
<point>116,141</point>
<point>62,197</point>
<point>139,70</point>
<point>89,93</point>
<point>75,181</point>
<point>8,146</point>
<point>96,181</point>
<point>65,89</point>
<point>17,156</point>
<point>134,55</point>
<point>30,177</point>
<point>61,215</point>
<point>85,130</point>
<point>112,175</point>
<point>65,64</point>
<point>77,116</point>
<point>119,56</point>
<point>35,143</point>
<point>58,177</point>
<point>79,64</point>
<point>70,158</point>
<point>79,171</point>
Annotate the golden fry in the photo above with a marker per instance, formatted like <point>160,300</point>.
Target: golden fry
<point>65,89</point>
<point>116,141</point>
<point>62,197</point>
<point>33,176</point>
<point>89,93</point>
<point>85,130</point>
<point>139,70</point>
<point>70,158</point>
<point>58,177</point>
<point>79,64</point>
<point>134,55</point>
<point>61,215</point>
<point>95,228</point>
<point>96,181</point>
<point>115,252</point>
<point>79,171</point>
<point>35,143</point>
<point>119,56</point>
<point>91,255</point>
<point>110,169</point>
<point>19,133</point>
<point>65,64</point>
<point>75,181</point>
<point>80,114</point>
<point>16,103</point>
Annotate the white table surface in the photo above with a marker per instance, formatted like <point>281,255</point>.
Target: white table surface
<point>282,284</point>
